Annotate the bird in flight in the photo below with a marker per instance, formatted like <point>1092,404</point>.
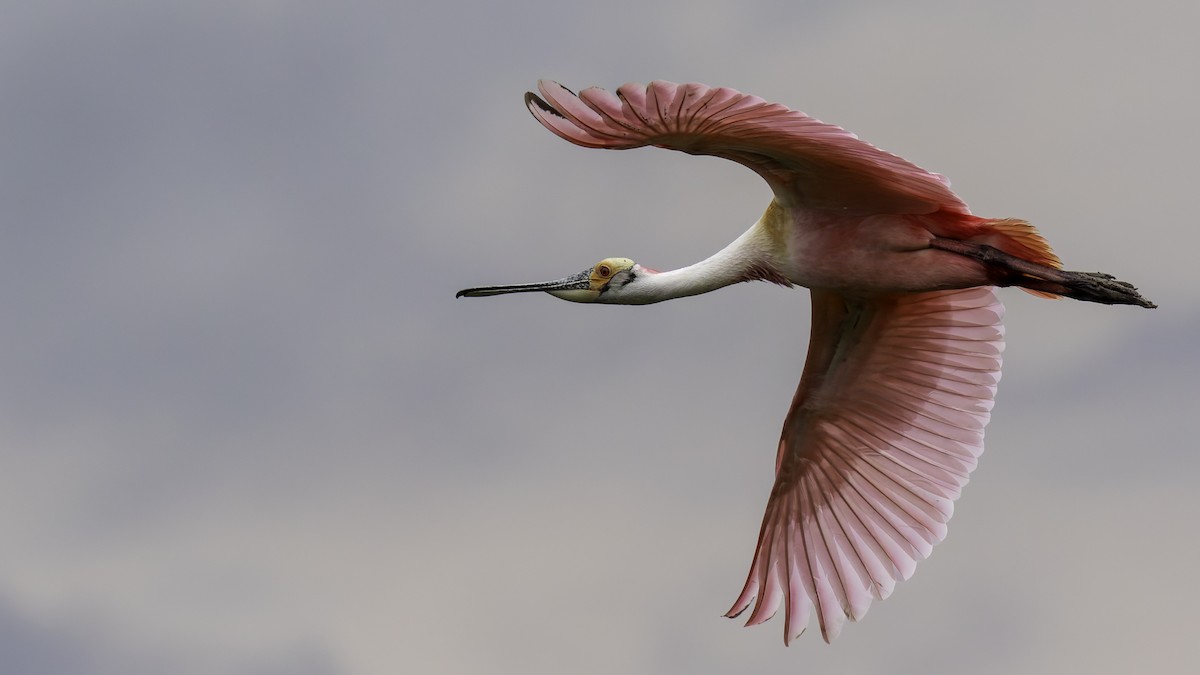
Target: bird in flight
<point>904,353</point>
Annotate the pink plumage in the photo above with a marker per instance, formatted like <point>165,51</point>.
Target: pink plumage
<point>803,159</point>
<point>905,349</point>
<point>872,459</point>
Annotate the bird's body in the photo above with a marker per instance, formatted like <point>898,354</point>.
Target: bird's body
<point>904,354</point>
<point>853,253</point>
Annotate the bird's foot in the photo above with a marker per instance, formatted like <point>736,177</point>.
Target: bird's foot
<point>1102,288</point>
<point>1009,270</point>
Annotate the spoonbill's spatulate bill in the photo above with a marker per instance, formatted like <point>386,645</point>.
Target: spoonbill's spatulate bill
<point>904,355</point>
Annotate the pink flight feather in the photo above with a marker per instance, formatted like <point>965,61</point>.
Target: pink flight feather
<point>887,422</point>
<point>806,161</point>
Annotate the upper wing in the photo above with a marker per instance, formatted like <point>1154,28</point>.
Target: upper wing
<point>806,162</point>
<point>883,432</point>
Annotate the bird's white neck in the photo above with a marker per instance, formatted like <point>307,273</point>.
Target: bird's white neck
<point>747,258</point>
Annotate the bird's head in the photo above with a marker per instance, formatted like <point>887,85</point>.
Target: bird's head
<point>608,281</point>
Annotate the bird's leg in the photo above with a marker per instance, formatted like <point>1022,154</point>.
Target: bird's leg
<point>1009,270</point>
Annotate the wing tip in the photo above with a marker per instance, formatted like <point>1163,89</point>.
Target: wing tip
<point>538,106</point>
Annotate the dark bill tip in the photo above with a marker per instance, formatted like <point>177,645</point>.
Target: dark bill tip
<point>577,281</point>
<point>484,291</point>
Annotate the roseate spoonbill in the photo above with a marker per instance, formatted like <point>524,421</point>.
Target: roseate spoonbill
<point>904,354</point>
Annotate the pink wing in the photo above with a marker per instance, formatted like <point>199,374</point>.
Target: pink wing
<point>883,432</point>
<point>806,162</point>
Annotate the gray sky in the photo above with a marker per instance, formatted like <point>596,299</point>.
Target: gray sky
<point>247,429</point>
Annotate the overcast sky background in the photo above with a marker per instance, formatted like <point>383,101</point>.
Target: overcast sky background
<point>246,428</point>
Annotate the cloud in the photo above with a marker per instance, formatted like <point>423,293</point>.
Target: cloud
<point>38,646</point>
<point>245,421</point>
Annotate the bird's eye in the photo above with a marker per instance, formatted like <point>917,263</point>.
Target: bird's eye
<point>604,271</point>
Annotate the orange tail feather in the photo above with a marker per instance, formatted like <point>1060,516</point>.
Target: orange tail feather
<point>1021,239</point>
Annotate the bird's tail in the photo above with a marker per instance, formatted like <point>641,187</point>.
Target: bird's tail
<point>1047,278</point>
<point>1020,238</point>
<point>1016,254</point>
